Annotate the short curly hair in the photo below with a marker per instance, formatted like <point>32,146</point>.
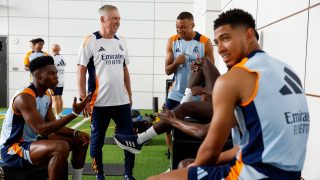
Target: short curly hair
<point>37,40</point>
<point>236,17</point>
<point>185,15</point>
<point>40,62</point>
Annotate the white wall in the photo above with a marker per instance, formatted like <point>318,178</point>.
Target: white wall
<point>291,33</point>
<point>146,25</point>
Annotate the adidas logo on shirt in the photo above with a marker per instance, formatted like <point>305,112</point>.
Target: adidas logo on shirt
<point>61,63</point>
<point>101,49</point>
<point>292,85</point>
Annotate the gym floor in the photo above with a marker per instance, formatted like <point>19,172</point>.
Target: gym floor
<point>152,159</point>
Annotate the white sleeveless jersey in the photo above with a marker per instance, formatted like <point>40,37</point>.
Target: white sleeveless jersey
<point>192,49</point>
<point>60,65</point>
<point>275,120</point>
<point>105,60</point>
<point>14,128</point>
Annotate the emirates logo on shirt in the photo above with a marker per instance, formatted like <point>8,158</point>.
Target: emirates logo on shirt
<point>112,59</point>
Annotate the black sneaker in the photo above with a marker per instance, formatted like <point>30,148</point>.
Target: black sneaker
<point>128,142</point>
<point>128,177</point>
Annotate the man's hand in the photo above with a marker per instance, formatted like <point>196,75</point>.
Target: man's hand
<point>78,107</point>
<point>197,90</point>
<point>167,116</point>
<point>87,110</point>
<point>181,59</point>
<point>195,66</point>
<point>84,137</point>
<point>130,98</point>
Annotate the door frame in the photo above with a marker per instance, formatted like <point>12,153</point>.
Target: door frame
<point>7,68</point>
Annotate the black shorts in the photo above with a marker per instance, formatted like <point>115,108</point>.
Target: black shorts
<point>58,91</point>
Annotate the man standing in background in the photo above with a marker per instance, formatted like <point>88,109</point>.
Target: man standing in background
<point>104,56</point>
<point>182,49</point>
<point>26,56</point>
<point>60,65</point>
<point>36,52</point>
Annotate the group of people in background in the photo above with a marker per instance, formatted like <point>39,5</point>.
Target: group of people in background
<point>32,136</point>
<point>36,46</point>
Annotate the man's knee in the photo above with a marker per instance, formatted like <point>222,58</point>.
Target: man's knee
<point>62,147</point>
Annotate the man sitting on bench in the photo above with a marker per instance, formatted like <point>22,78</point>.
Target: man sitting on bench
<point>29,114</point>
<point>203,71</point>
<point>255,87</point>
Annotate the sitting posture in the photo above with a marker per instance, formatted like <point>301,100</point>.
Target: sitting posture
<point>30,115</point>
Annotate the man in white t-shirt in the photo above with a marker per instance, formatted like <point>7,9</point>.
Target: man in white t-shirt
<point>60,65</point>
<point>104,56</point>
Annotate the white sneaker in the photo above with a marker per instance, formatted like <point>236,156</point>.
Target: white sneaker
<point>187,96</point>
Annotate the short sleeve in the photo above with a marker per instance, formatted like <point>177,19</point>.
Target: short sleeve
<point>126,51</point>
<point>26,60</point>
<point>85,52</point>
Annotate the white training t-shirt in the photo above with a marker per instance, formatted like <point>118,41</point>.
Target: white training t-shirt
<point>60,65</point>
<point>105,60</point>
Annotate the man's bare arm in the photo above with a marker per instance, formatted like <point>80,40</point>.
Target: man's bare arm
<point>62,131</point>
<point>209,51</point>
<point>224,100</point>
<point>170,65</point>
<point>227,156</point>
<point>81,77</point>
<point>127,82</point>
<point>192,129</point>
<point>25,104</point>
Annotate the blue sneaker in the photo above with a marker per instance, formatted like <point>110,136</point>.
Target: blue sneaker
<point>100,176</point>
<point>128,142</point>
<point>128,177</point>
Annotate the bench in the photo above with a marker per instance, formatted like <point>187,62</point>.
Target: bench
<point>32,173</point>
<point>185,146</point>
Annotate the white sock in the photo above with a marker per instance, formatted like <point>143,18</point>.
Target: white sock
<point>147,135</point>
<point>77,174</point>
<point>57,117</point>
<point>187,96</point>
<point>188,92</point>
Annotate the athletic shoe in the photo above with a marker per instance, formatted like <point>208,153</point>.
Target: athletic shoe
<point>128,142</point>
<point>100,176</point>
<point>128,177</point>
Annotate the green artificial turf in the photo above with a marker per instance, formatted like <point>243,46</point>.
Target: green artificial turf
<point>152,159</point>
